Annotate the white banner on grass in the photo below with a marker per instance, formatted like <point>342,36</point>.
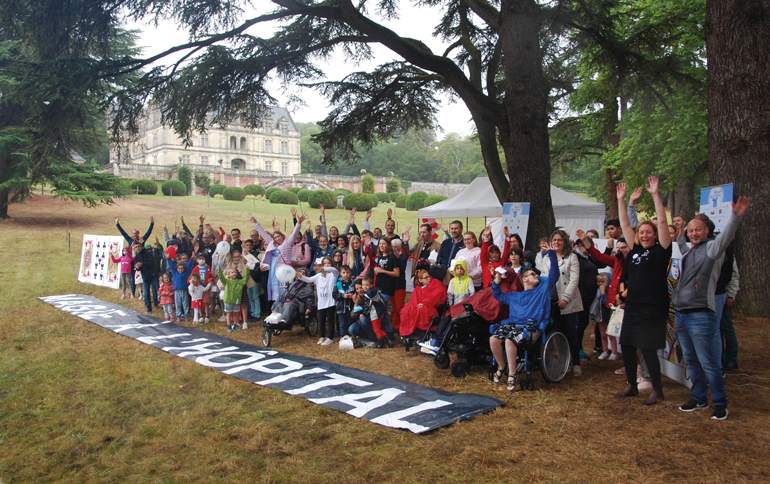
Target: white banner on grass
<point>96,265</point>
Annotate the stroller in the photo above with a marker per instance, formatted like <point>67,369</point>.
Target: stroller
<point>290,310</point>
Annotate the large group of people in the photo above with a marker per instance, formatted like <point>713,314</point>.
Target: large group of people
<point>357,284</point>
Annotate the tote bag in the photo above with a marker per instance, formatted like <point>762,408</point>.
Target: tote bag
<point>616,322</point>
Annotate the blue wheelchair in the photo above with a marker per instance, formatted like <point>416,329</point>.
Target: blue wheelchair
<point>546,350</point>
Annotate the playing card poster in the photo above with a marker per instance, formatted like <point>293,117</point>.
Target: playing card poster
<point>516,218</point>
<point>96,265</point>
<point>715,203</point>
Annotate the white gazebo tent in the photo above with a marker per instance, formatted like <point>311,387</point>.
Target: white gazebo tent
<point>479,200</point>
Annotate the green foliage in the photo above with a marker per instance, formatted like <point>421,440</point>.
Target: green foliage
<point>394,196</point>
<point>383,197</point>
<point>415,201</point>
<point>184,175</point>
<point>367,183</point>
<point>406,185</point>
<point>304,194</point>
<point>361,201</point>
<point>393,186</point>
<point>173,188</point>
<point>234,193</point>
<point>373,197</point>
<point>401,201</point>
<point>328,198</point>
<point>270,191</point>
<point>146,187</point>
<point>433,199</point>
<point>202,180</point>
<point>254,190</point>
<point>283,197</point>
<point>216,189</point>
<point>295,190</point>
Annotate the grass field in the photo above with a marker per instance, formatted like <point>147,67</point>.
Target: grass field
<point>79,403</point>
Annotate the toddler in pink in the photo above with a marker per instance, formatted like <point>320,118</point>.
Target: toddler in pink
<point>125,270</point>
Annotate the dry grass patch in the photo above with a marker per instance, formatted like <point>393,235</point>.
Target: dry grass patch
<point>79,403</point>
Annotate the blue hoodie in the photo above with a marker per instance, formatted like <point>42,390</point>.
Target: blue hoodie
<point>531,304</point>
<point>180,278</point>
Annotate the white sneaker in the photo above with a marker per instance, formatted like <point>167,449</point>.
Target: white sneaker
<point>245,325</point>
<point>614,356</point>
<point>123,296</point>
<point>205,320</point>
<point>130,296</point>
<point>321,341</point>
<point>604,355</point>
<point>222,319</point>
<point>327,342</point>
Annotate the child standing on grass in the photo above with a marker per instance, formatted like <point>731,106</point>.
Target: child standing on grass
<point>343,297</point>
<point>125,271</point>
<point>601,315</point>
<point>196,290</point>
<point>166,293</point>
<point>232,295</point>
<point>324,283</point>
<point>181,276</point>
<point>207,280</point>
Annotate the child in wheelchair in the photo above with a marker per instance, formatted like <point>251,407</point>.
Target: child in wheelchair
<point>529,314</point>
<point>460,288</point>
<point>298,299</point>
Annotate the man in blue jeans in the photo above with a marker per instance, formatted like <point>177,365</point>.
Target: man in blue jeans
<point>696,319</point>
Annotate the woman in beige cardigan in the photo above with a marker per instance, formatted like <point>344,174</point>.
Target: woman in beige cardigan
<point>566,302</point>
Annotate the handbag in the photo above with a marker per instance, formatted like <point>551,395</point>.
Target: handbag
<point>616,322</point>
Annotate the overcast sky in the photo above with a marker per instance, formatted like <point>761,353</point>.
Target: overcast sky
<point>415,22</point>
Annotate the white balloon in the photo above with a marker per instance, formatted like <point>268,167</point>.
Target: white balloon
<point>223,248</point>
<point>285,273</point>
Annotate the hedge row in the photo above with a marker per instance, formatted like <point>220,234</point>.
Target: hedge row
<point>283,197</point>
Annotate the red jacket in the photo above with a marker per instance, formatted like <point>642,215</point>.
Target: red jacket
<point>209,274</point>
<point>485,264</point>
<point>617,271</point>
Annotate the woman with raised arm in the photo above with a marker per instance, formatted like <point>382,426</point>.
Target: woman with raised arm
<point>647,301</point>
<point>278,251</point>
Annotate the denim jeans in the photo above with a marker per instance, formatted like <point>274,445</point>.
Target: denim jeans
<point>343,323</point>
<point>363,329</point>
<point>702,347</point>
<point>150,292</point>
<point>255,307</point>
<point>182,302</point>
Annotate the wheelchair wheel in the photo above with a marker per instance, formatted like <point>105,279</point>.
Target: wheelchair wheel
<point>312,325</point>
<point>441,360</point>
<point>461,368</point>
<point>555,357</point>
<point>267,337</point>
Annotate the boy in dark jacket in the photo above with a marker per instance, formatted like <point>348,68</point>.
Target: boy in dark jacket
<point>343,296</point>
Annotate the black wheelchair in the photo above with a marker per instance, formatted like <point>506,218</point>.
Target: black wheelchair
<point>308,322</point>
<point>545,351</point>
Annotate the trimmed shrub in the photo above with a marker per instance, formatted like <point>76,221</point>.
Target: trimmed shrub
<point>295,190</point>
<point>367,183</point>
<point>401,201</point>
<point>361,201</point>
<point>433,199</point>
<point>304,194</point>
<point>254,190</point>
<point>146,187</point>
<point>234,193</point>
<point>375,200</point>
<point>328,198</point>
<point>415,201</point>
<point>283,197</point>
<point>184,175</point>
<point>394,196</point>
<point>393,186</point>
<point>341,191</point>
<point>270,191</point>
<point>174,187</point>
<point>383,197</point>
<point>216,189</point>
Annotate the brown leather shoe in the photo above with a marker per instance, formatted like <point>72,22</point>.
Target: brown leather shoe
<point>652,399</point>
<point>630,391</point>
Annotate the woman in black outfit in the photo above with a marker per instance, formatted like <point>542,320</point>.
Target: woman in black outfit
<point>647,301</point>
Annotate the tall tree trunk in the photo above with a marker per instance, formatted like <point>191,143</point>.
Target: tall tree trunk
<point>684,200</point>
<point>612,137</point>
<point>527,152</point>
<point>738,50</point>
<point>5,166</point>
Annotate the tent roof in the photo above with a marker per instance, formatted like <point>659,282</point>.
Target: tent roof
<point>479,200</point>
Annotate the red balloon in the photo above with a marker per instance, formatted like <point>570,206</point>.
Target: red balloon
<point>171,252</point>
<point>435,236</point>
<point>434,225</point>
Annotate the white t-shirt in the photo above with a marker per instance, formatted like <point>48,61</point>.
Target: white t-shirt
<point>324,286</point>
